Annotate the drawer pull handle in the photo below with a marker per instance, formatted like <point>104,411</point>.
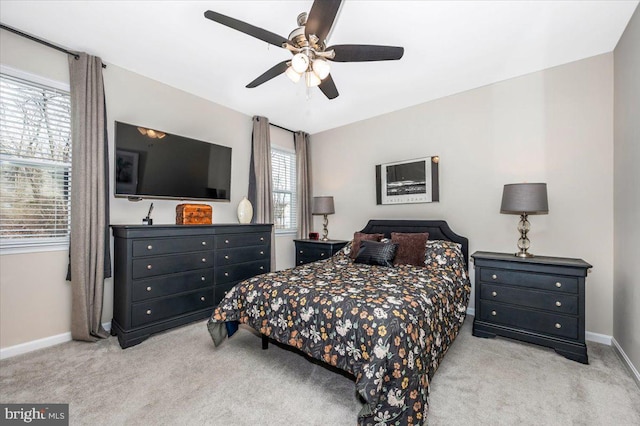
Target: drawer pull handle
<point>204,243</point>
<point>301,251</point>
<point>202,298</point>
<point>204,260</point>
<point>226,256</point>
<point>300,262</point>
<point>226,292</point>
<point>321,254</point>
<point>148,311</point>
<point>149,266</point>
<point>558,284</point>
<point>202,278</point>
<point>262,268</point>
<point>494,276</point>
<point>226,241</point>
<point>494,313</point>
<point>226,274</point>
<point>149,288</point>
<point>149,247</point>
<point>261,238</point>
<point>261,252</point>
<point>558,325</point>
<point>494,294</point>
<point>558,303</point>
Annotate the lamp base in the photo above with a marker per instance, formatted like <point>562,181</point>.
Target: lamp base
<point>525,254</point>
<point>325,231</point>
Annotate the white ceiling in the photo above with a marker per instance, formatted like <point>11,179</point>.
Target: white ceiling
<point>450,46</point>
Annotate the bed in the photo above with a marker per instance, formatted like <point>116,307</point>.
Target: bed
<point>388,327</point>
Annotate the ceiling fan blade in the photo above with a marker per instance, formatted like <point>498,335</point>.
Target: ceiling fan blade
<point>321,17</point>
<point>365,53</point>
<point>249,29</point>
<point>328,87</point>
<point>272,72</point>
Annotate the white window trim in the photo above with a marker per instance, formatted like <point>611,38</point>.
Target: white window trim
<point>288,231</point>
<point>35,245</point>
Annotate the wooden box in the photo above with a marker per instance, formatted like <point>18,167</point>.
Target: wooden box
<point>193,214</point>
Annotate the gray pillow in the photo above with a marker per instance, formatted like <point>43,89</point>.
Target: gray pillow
<point>376,253</point>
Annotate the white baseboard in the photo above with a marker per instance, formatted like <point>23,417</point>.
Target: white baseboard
<point>625,360</point>
<point>471,311</point>
<point>46,342</point>
<point>598,338</point>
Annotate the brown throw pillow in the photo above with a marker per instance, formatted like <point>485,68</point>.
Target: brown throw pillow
<point>411,248</point>
<point>358,237</point>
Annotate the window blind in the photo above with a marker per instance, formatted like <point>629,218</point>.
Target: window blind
<point>283,172</point>
<point>35,163</point>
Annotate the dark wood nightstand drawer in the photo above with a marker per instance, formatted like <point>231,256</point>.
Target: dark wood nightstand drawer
<point>550,301</point>
<point>314,252</point>
<point>152,247</point>
<point>530,280</point>
<point>167,307</point>
<point>308,251</point>
<point>537,321</point>
<point>171,284</point>
<point>160,265</point>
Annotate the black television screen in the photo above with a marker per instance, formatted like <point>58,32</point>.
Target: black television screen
<point>150,163</point>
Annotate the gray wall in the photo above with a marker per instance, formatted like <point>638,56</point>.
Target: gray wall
<point>551,126</point>
<point>626,288</point>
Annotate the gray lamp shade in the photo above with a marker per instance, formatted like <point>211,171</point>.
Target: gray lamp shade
<point>323,205</point>
<point>530,198</point>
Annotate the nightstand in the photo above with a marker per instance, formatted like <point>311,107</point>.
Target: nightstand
<point>538,300</point>
<point>312,250</point>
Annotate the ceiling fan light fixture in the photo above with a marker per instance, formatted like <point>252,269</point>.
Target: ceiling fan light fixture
<point>300,62</point>
<point>292,74</point>
<point>311,79</point>
<point>321,68</point>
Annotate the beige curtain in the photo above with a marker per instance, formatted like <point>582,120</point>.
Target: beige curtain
<point>260,188</point>
<point>303,182</point>
<point>89,263</point>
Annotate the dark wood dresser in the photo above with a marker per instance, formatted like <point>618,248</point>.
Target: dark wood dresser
<point>538,300</point>
<point>313,250</point>
<point>169,275</point>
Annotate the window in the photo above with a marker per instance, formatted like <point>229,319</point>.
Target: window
<point>283,177</point>
<point>35,162</point>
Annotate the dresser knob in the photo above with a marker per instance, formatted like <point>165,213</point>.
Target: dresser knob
<point>494,313</point>
<point>301,251</point>
<point>204,243</point>
<point>149,247</point>
<point>148,311</point>
<point>261,252</point>
<point>262,268</point>
<point>558,325</point>
<point>226,274</point>
<point>149,288</point>
<point>149,266</point>
<point>494,294</point>
<point>226,241</point>
<point>558,303</point>
<point>558,284</point>
<point>202,298</point>
<point>261,238</point>
<point>202,278</point>
<point>300,262</point>
<point>321,254</point>
<point>494,276</point>
<point>204,260</point>
<point>226,256</point>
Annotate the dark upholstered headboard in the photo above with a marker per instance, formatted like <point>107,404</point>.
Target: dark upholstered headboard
<point>437,229</point>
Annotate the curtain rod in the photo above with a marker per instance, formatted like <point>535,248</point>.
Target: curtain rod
<point>280,127</point>
<point>39,40</point>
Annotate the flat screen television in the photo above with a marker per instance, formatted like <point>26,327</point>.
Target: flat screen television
<point>150,163</point>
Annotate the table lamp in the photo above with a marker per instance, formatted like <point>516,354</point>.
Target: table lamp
<point>323,206</point>
<point>524,199</point>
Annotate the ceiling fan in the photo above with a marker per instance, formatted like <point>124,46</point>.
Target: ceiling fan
<point>307,44</point>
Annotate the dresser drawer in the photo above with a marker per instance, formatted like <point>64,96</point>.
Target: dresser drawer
<point>531,280</point>
<point>315,253</point>
<point>537,321</point>
<point>154,310</point>
<point>242,240</point>
<point>171,284</point>
<point>241,255</point>
<point>241,271</point>
<point>160,265</point>
<point>550,301</point>
<point>151,247</point>
<point>221,290</point>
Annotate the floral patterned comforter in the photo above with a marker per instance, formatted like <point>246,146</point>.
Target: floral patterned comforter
<point>389,327</point>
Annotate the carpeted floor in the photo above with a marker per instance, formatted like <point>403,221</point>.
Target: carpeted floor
<point>178,377</point>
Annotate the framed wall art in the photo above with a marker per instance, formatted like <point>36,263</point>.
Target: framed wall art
<point>407,182</point>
